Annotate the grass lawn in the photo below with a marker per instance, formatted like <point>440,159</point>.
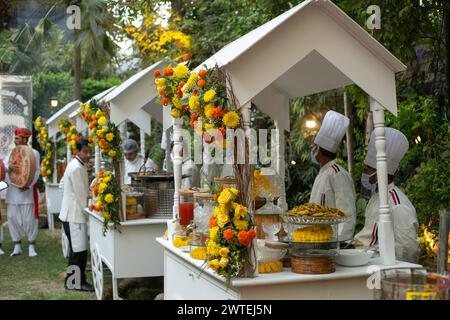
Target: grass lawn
<point>40,277</point>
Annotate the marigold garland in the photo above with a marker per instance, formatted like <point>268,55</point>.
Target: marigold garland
<point>46,146</point>
<point>71,133</point>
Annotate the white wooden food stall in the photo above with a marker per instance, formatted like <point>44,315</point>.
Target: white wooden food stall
<point>132,252</point>
<point>183,274</point>
<point>312,48</point>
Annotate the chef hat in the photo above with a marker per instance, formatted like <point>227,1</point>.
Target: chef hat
<point>22,132</point>
<point>333,129</point>
<point>130,145</point>
<point>396,147</point>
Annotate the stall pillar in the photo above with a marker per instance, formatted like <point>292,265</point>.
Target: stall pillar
<point>385,226</point>
<point>142,134</point>
<point>55,173</point>
<point>280,161</point>
<point>97,160</point>
<point>177,161</point>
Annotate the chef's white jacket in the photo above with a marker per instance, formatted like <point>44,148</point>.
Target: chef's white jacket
<point>135,165</point>
<point>334,188</point>
<point>404,222</point>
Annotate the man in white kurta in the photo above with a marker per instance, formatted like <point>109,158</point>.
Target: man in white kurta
<point>333,186</point>
<point>22,220</point>
<point>75,197</point>
<point>134,162</point>
<point>403,212</point>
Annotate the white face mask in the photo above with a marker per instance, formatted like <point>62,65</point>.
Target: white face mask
<point>365,181</point>
<point>314,155</point>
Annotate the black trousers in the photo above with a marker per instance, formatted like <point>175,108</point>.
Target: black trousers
<point>76,258</point>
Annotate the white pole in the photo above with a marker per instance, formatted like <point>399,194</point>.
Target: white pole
<point>385,226</point>
<point>281,164</point>
<point>142,142</point>
<point>97,160</point>
<point>55,176</point>
<point>177,162</point>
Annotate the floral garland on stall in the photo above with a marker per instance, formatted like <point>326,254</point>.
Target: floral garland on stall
<point>106,187</point>
<point>71,133</point>
<point>231,235</point>
<point>46,146</point>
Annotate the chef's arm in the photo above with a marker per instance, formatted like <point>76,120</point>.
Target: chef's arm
<point>345,197</point>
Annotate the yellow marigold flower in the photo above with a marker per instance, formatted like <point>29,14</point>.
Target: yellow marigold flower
<point>107,173</point>
<point>209,95</point>
<point>234,191</point>
<point>110,136</point>
<point>181,71</point>
<point>102,187</point>
<point>223,262</point>
<point>216,211</point>
<point>99,114</point>
<point>106,215</point>
<point>212,248</point>
<point>175,113</point>
<point>213,233</point>
<point>102,120</point>
<point>214,264</point>
<point>193,102</point>
<point>209,126</point>
<point>223,209</point>
<point>176,102</point>
<point>227,195</point>
<point>224,252</point>
<point>106,179</point>
<point>241,224</point>
<point>49,172</point>
<point>208,110</point>
<point>191,81</point>
<point>109,198</point>
<point>231,119</point>
<point>222,220</point>
<point>112,153</point>
<point>240,211</point>
<point>160,82</point>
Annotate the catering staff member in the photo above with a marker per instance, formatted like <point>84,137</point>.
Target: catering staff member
<point>403,212</point>
<point>75,196</point>
<point>22,203</point>
<point>134,161</point>
<point>333,186</point>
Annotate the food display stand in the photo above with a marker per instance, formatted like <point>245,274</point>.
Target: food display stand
<point>266,68</point>
<point>132,252</point>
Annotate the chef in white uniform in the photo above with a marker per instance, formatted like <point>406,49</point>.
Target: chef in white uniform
<point>23,218</point>
<point>134,161</point>
<point>403,212</point>
<point>333,186</point>
<point>75,197</point>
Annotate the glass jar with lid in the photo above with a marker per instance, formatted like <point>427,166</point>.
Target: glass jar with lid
<point>186,207</point>
<point>203,209</point>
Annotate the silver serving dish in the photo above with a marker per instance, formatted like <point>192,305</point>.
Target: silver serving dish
<point>310,220</point>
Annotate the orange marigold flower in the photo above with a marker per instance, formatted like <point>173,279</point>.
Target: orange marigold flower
<point>165,101</point>
<point>243,238</point>
<point>157,73</point>
<point>185,57</point>
<point>100,174</point>
<point>212,222</point>
<point>180,93</point>
<point>195,92</point>
<point>225,187</point>
<point>194,117</point>
<point>201,83</point>
<point>202,73</point>
<point>216,112</point>
<point>192,124</point>
<point>215,197</point>
<point>168,72</point>
<point>228,234</point>
<point>251,233</point>
<point>181,84</point>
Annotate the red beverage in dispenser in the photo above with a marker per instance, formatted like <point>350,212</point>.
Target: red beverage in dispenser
<point>186,213</point>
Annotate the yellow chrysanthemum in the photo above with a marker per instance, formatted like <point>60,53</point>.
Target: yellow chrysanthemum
<point>175,113</point>
<point>102,120</point>
<point>109,198</point>
<point>208,110</point>
<point>223,262</point>
<point>241,224</point>
<point>231,119</point>
<point>212,248</point>
<point>209,126</point>
<point>160,82</point>
<point>110,136</point>
<point>214,264</point>
<point>222,220</point>
<point>112,153</point>
<point>106,215</point>
<point>223,252</point>
<point>106,179</point>
<point>240,211</point>
<point>209,95</point>
<point>216,211</point>
<point>181,71</point>
<point>194,103</point>
<point>213,233</point>
<point>102,187</point>
<point>191,81</point>
<point>227,195</point>
<point>176,102</point>
<point>99,114</point>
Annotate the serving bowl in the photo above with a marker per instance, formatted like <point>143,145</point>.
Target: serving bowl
<point>353,257</point>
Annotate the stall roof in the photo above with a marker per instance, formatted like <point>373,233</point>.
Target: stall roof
<point>311,48</point>
<point>63,113</point>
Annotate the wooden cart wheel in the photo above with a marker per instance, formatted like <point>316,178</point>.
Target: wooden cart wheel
<point>97,271</point>
<point>65,244</point>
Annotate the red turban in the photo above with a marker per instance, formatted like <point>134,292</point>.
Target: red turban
<point>22,132</point>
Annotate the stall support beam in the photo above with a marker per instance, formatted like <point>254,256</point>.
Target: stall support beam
<point>280,162</point>
<point>97,160</point>
<point>143,150</point>
<point>177,162</point>
<point>55,174</point>
<point>385,226</point>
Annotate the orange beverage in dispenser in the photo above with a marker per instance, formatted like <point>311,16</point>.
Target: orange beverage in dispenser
<point>186,213</point>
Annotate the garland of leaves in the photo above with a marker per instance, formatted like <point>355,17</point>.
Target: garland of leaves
<point>46,146</point>
<point>106,135</point>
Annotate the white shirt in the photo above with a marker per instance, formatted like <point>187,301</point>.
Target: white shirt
<point>334,188</point>
<point>76,192</point>
<point>14,195</point>
<point>135,165</point>
<point>404,220</point>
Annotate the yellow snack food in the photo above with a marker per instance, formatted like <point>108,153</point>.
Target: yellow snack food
<point>270,267</point>
<point>316,233</point>
<point>131,201</point>
<point>181,241</point>
<point>198,253</point>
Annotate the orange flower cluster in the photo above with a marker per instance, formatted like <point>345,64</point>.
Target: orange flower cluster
<point>46,146</point>
<point>72,134</point>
